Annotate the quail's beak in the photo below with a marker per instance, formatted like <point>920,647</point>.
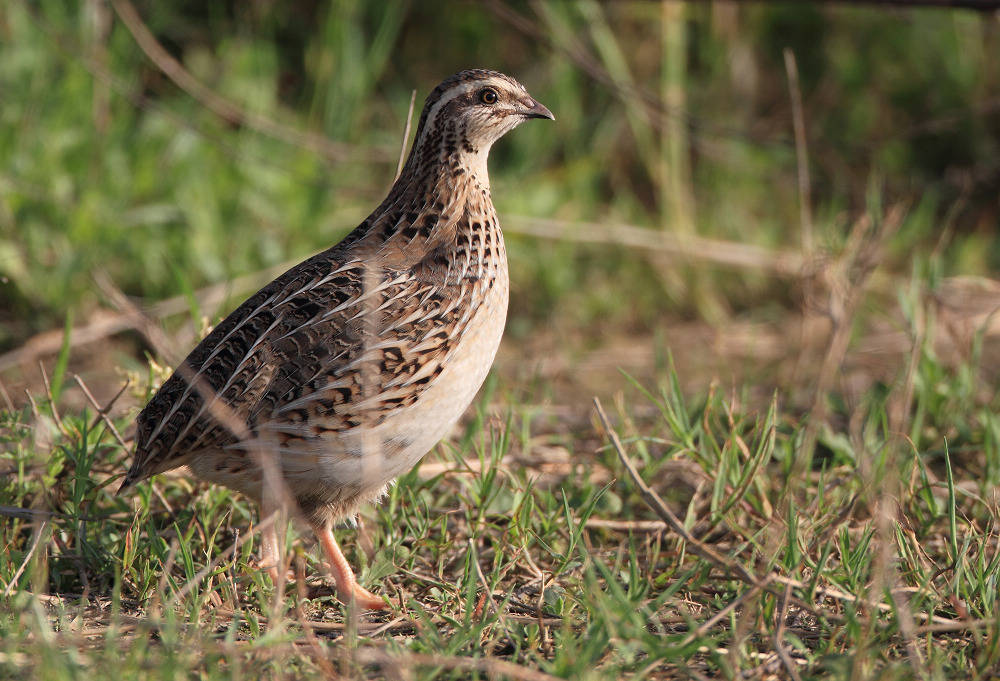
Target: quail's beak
<point>533,109</point>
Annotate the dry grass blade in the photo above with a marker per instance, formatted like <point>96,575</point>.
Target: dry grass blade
<point>847,280</point>
<point>661,509</point>
<point>35,541</point>
<point>627,525</point>
<point>801,151</point>
<point>278,496</point>
<point>102,412</point>
<point>138,319</point>
<point>310,633</point>
<point>767,582</point>
<point>737,602</point>
<point>406,135</point>
<point>690,247</point>
<point>52,401</point>
<point>106,323</point>
<point>487,665</point>
<point>214,102</point>
<point>6,396</point>
<point>779,633</point>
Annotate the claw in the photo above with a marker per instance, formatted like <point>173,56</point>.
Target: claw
<point>348,588</point>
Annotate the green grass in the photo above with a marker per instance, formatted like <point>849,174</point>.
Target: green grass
<point>843,528</point>
<point>492,551</point>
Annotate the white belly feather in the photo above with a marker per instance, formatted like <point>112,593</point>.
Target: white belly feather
<point>398,443</point>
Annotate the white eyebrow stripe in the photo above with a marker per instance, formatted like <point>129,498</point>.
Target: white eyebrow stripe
<point>458,90</point>
<point>447,96</point>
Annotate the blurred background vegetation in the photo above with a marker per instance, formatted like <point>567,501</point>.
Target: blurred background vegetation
<point>283,129</point>
<point>793,204</point>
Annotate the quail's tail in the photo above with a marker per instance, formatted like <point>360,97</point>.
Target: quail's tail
<point>132,477</point>
<point>127,484</point>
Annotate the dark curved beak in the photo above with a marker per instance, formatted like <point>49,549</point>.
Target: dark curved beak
<point>535,109</point>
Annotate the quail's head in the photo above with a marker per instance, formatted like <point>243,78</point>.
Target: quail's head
<point>475,108</point>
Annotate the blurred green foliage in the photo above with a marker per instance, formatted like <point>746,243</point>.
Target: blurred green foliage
<point>105,164</point>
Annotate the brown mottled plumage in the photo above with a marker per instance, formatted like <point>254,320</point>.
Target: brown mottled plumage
<point>344,371</point>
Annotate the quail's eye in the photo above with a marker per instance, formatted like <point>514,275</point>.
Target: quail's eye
<point>488,95</point>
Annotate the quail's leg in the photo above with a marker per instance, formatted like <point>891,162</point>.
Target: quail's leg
<point>347,584</point>
<point>270,557</point>
<point>270,553</point>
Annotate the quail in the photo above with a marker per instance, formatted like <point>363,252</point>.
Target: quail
<point>339,375</point>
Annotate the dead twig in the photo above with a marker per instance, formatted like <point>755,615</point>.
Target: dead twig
<point>52,399</point>
<point>216,103</point>
<point>801,152</point>
<point>779,633</point>
<point>102,412</point>
<point>35,541</point>
<point>661,509</point>
<point>847,283</point>
<point>691,247</point>
<point>488,665</point>
<point>767,582</point>
<point>106,323</point>
<point>6,397</point>
<point>406,135</point>
<point>627,525</point>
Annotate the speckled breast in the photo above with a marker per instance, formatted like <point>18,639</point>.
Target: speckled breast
<point>421,426</point>
<point>396,444</point>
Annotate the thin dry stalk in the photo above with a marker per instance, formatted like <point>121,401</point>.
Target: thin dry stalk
<point>487,591</point>
<point>52,399</point>
<point>215,563</point>
<point>886,575</point>
<point>733,568</point>
<point>737,602</point>
<point>318,654</point>
<point>691,248</point>
<point>657,504</point>
<point>102,412</point>
<point>955,626</point>
<point>487,665</point>
<point>540,603</point>
<point>139,320</point>
<point>488,594</point>
<point>801,152</point>
<point>847,282</point>
<point>6,398</point>
<point>34,406</point>
<point>277,497</point>
<point>35,541</point>
<point>274,483</point>
<point>100,33</point>
<point>779,633</point>
<point>216,103</point>
<point>406,136</point>
<point>630,94</point>
<point>626,525</point>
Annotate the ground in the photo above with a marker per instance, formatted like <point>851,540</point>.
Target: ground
<point>743,423</point>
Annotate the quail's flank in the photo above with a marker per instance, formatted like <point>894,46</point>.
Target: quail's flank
<point>343,372</point>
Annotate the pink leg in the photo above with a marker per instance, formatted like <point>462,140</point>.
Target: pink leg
<point>348,588</point>
<point>270,553</point>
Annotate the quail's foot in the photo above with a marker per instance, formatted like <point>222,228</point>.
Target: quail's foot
<point>347,584</point>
